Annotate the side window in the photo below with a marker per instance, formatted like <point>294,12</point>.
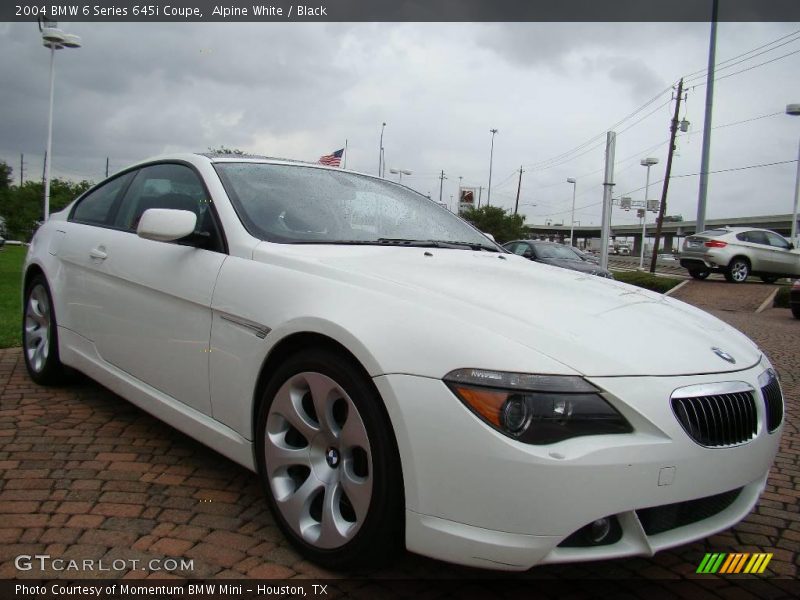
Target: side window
<point>169,186</point>
<point>520,249</point>
<point>776,241</point>
<point>757,237</point>
<point>97,206</point>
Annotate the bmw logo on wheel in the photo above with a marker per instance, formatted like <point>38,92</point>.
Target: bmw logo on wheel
<point>332,456</point>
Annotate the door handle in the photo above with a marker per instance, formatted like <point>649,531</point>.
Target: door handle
<point>98,253</point>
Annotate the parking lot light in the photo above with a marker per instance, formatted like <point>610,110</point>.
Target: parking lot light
<point>645,162</point>
<point>794,110</point>
<point>400,172</point>
<point>574,183</point>
<point>55,39</point>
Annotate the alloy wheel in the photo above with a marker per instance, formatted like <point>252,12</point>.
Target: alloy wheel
<point>38,328</point>
<point>739,271</point>
<point>318,460</point>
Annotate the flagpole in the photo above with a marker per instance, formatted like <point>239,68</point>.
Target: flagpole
<point>345,154</point>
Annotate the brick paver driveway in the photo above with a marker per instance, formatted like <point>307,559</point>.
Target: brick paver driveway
<point>85,475</point>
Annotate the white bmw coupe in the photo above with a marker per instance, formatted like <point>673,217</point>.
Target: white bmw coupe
<point>392,375</point>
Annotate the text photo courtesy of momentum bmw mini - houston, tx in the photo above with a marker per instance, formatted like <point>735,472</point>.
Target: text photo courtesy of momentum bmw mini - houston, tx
<point>379,299</point>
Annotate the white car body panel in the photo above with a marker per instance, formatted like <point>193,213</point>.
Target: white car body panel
<point>184,333</point>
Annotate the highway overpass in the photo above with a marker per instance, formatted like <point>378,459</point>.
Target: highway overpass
<point>672,231</point>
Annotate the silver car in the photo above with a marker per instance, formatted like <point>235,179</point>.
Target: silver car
<point>738,252</point>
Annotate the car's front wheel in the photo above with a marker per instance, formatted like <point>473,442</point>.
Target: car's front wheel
<point>738,270</point>
<point>40,334</point>
<point>328,460</point>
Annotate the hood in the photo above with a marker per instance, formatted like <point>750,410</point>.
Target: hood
<point>596,326</point>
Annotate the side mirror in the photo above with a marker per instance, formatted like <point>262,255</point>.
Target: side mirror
<point>527,254</point>
<point>489,235</point>
<point>166,224</point>
<point>791,246</point>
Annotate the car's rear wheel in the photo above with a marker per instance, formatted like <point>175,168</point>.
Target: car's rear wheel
<point>40,334</point>
<point>738,270</point>
<point>328,461</point>
<point>769,278</point>
<point>700,273</point>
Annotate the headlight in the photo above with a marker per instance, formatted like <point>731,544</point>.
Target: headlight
<point>536,409</point>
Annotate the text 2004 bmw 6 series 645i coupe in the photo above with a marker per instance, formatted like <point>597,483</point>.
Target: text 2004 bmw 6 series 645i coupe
<point>393,376</point>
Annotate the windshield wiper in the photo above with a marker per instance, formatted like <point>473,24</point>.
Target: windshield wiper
<point>408,242</point>
<point>470,245</point>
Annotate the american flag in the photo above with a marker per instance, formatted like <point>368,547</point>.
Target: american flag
<point>332,160</point>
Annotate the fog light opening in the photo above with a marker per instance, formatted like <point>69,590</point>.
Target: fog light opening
<point>599,530</point>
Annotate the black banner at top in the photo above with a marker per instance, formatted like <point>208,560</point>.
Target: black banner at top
<point>399,10</point>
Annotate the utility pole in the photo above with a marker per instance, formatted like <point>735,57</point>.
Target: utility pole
<point>106,167</point>
<point>703,190</point>
<point>491,160</point>
<point>441,183</point>
<point>519,187</point>
<point>608,187</point>
<point>662,209</point>
<point>480,193</point>
<point>21,168</point>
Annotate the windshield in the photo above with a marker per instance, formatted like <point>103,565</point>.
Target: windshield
<point>296,204</point>
<point>555,251</point>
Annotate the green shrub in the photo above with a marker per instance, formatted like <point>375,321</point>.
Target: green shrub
<point>11,259</point>
<point>647,280</point>
<point>782,297</point>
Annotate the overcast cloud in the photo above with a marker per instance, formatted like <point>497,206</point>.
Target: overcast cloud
<point>299,90</point>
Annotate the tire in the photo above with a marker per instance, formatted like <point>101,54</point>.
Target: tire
<point>40,334</point>
<point>738,270</point>
<point>333,484</point>
<point>700,274</point>
<point>769,278</point>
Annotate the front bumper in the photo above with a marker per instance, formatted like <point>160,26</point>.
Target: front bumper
<point>478,498</point>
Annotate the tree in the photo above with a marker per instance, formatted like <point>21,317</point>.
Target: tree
<point>23,206</point>
<point>5,175</point>
<point>223,150</point>
<point>503,225</point>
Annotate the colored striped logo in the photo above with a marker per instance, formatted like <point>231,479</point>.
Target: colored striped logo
<point>735,562</point>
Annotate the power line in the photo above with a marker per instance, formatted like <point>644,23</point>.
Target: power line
<point>766,62</point>
<point>772,164</point>
<point>592,140</point>
<point>702,72</point>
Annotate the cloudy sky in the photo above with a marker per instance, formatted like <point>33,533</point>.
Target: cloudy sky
<point>299,90</point>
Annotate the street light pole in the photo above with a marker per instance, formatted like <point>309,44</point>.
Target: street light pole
<point>794,110</point>
<point>491,159</point>
<point>574,183</point>
<point>380,153</point>
<point>400,172</point>
<point>54,39</point>
<point>645,162</point>
<point>49,151</point>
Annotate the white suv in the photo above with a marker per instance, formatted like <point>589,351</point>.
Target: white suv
<point>739,252</point>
